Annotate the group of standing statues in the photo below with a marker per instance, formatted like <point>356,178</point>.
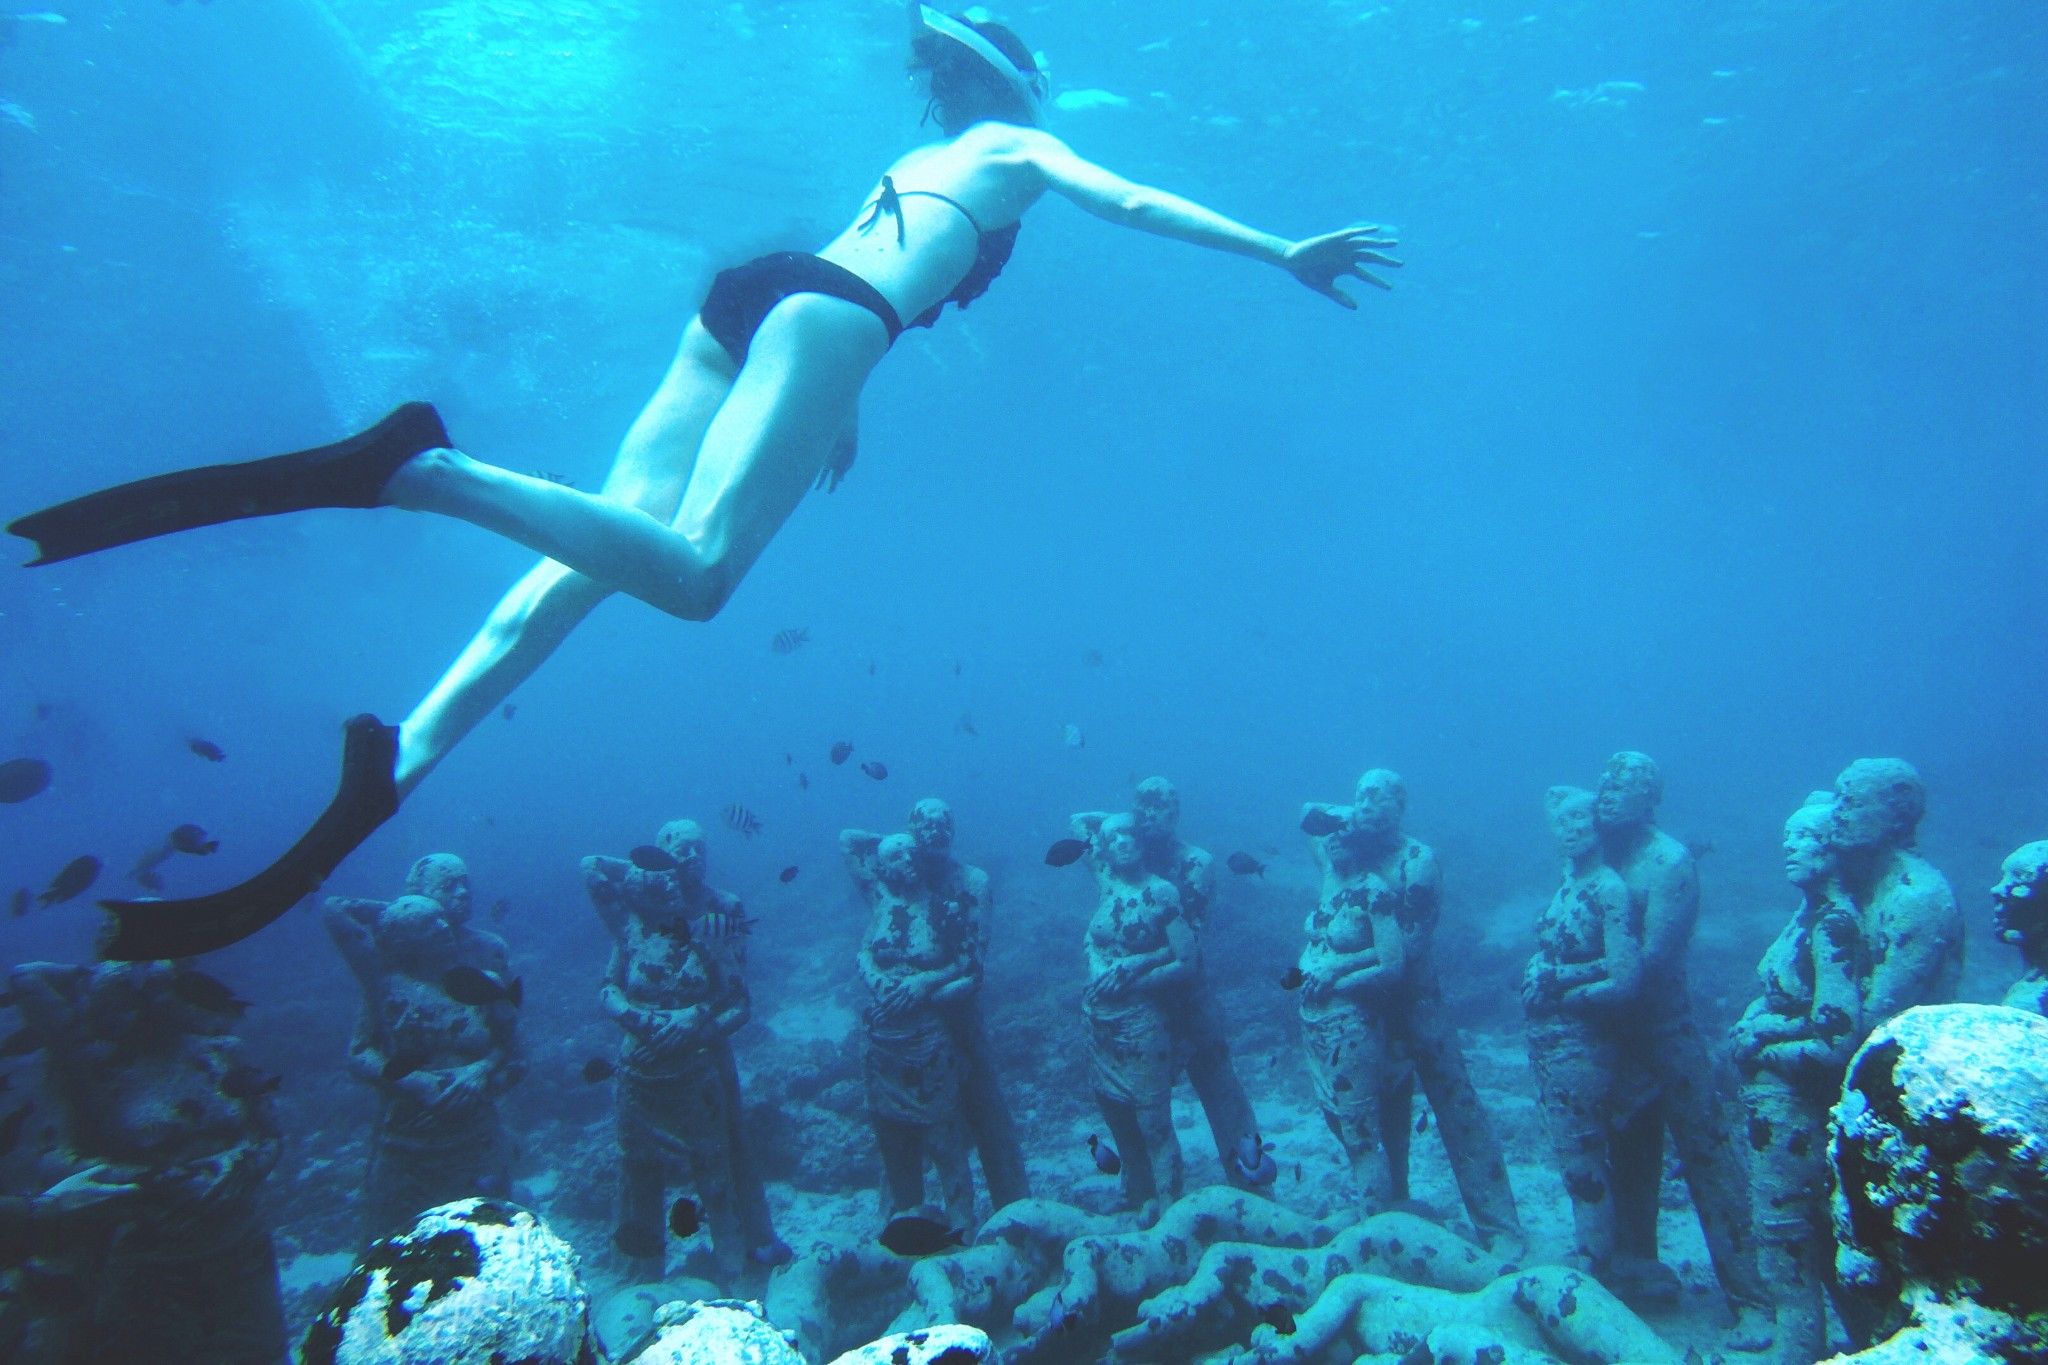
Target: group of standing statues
<point>170,1135</point>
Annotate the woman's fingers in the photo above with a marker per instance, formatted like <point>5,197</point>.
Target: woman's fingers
<point>1359,272</point>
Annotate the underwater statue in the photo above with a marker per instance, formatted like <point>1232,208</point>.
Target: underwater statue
<point>678,1002</point>
<point>1940,1202</point>
<point>640,908</point>
<point>963,901</point>
<point>913,964</point>
<point>175,1136</point>
<point>1668,1079</point>
<point>486,1282</point>
<point>1586,964</point>
<point>1196,1012</point>
<point>437,1041</point>
<point>1140,953</point>
<point>1377,878</point>
<point>1791,1047</point>
<point>2020,918</point>
<point>1912,927</point>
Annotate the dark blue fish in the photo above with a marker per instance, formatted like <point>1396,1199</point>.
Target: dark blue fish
<point>790,641</point>
<point>787,875</point>
<point>1254,1161</point>
<point>1318,821</point>
<point>1244,865</point>
<point>649,858</point>
<point>1065,852</point>
<point>878,771</point>
<point>207,750</point>
<point>684,1217</point>
<point>21,778</point>
<point>913,1234</point>
<point>475,986</point>
<point>1106,1159</point>
<point>192,839</point>
<point>841,751</point>
<point>597,1070</point>
<point>75,876</point>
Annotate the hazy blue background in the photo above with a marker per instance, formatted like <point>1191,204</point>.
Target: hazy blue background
<point>1706,419</point>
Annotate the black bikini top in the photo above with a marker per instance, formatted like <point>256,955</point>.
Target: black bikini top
<point>991,252</point>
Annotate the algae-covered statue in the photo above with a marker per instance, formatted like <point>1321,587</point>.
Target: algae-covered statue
<point>1668,1078</point>
<point>1792,1046</point>
<point>673,936</point>
<point>1398,995</point>
<point>2020,918</point>
<point>678,1002</point>
<point>1140,953</point>
<point>1587,963</point>
<point>1194,1010</point>
<point>912,964</point>
<point>176,1137</point>
<point>1941,1187</point>
<point>437,1041</point>
<point>1912,927</point>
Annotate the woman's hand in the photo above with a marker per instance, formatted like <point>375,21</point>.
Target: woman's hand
<point>1319,262</point>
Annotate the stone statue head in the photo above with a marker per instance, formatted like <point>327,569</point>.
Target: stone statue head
<point>1941,1186</point>
<point>445,878</point>
<point>415,931</point>
<point>1631,788</point>
<point>1570,813</point>
<point>896,863</point>
<point>2020,900</point>
<point>1878,805</point>
<point>1155,810</point>
<point>1810,857</point>
<point>931,826</point>
<point>683,840</point>
<point>1378,805</point>
<point>1116,843</point>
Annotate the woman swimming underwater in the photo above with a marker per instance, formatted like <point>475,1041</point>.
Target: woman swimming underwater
<point>756,407</point>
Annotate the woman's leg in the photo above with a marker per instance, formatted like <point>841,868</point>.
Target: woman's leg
<point>758,457</point>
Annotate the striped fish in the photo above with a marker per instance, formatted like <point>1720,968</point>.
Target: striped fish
<point>743,820</point>
<point>790,641</point>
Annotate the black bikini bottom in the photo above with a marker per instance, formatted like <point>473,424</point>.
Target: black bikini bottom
<point>742,296</point>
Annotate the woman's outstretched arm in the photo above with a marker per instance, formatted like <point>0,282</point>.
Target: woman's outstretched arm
<point>1318,262</point>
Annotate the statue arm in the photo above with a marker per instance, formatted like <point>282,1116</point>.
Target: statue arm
<point>604,881</point>
<point>1915,929</point>
<point>1389,955</point>
<point>1184,956</point>
<point>1618,977</point>
<point>1669,913</point>
<point>1835,1021</point>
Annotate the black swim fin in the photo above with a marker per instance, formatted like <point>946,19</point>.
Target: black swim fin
<point>349,473</point>
<point>367,797</point>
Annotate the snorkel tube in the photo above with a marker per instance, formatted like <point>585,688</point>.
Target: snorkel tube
<point>1031,87</point>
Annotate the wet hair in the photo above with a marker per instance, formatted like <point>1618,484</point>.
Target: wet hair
<point>964,91</point>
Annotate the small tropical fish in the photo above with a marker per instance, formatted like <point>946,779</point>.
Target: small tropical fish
<point>19,1043</point>
<point>1065,852</point>
<point>1422,1122</point>
<point>787,875</point>
<point>19,905</point>
<point>1254,1161</point>
<point>563,479</point>
<point>965,726</point>
<point>11,1126</point>
<point>204,992</point>
<point>841,751</point>
<point>474,986</point>
<point>1318,821</point>
<point>1106,1159</point>
<point>244,1082</point>
<point>597,1070</point>
<point>1072,737</point>
<point>500,908</point>
<point>1279,1319</point>
<point>956,668</point>
<point>790,641</point>
<point>207,750</point>
<point>1291,979</point>
<point>192,839</point>
<point>743,820</point>
<point>1244,865</point>
<point>871,668</point>
<point>509,710</point>
<point>21,778</point>
<point>684,1217</point>
<point>640,1243</point>
<point>649,858</point>
<point>878,771</point>
<point>913,1234</point>
<point>72,879</point>
<point>803,782</point>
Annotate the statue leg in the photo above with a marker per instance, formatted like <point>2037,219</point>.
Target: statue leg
<point>1140,1183</point>
<point>946,1143</point>
<point>1708,1141</point>
<point>1155,1122</point>
<point>749,1191</point>
<point>1397,1111</point>
<point>902,1148</point>
<point>988,1113</point>
<point>639,1202</point>
<point>1476,1162</point>
<point>1573,1071</point>
<point>1788,1207</point>
<point>1210,1072</point>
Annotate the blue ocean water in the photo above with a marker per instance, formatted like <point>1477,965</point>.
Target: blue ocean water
<point>1704,419</point>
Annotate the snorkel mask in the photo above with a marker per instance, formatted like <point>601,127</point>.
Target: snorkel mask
<point>1032,87</point>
